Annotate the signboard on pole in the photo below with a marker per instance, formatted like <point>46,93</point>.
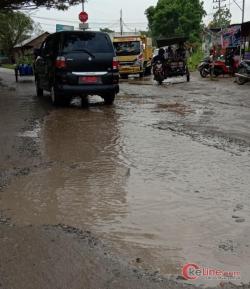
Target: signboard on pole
<point>83,26</point>
<point>61,27</point>
<point>232,36</point>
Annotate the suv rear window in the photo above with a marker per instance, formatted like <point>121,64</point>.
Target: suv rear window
<point>93,42</point>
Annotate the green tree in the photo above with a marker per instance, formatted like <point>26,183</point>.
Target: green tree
<point>176,18</point>
<point>15,27</point>
<point>28,4</point>
<point>107,30</point>
<point>146,33</point>
<point>221,19</point>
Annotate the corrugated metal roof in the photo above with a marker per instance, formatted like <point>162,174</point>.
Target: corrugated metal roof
<point>27,41</point>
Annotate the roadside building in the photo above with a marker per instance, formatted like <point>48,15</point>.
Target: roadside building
<point>211,37</point>
<point>221,39</point>
<point>245,33</point>
<point>27,47</point>
<point>3,57</point>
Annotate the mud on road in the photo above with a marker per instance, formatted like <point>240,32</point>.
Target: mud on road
<point>162,178</point>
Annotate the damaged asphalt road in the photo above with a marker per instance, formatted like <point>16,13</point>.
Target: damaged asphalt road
<point>124,196</point>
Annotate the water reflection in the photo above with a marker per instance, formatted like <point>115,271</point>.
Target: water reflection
<point>83,181</point>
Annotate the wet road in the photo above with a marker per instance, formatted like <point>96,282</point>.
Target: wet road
<point>163,175</point>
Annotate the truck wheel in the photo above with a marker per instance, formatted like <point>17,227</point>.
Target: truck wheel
<point>109,98</point>
<point>124,76</point>
<point>141,74</point>
<point>148,70</point>
<point>39,91</point>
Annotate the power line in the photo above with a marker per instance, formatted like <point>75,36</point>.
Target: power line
<point>237,5</point>
<point>99,23</point>
<point>241,8</point>
<point>130,29</point>
<point>70,21</point>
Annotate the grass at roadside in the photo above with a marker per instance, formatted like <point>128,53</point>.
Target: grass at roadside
<point>195,59</point>
<point>9,66</point>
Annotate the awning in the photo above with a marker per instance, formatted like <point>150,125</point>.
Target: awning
<point>170,41</point>
<point>245,29</point>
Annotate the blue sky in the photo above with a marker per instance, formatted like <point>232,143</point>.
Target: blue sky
<point>106,13</point>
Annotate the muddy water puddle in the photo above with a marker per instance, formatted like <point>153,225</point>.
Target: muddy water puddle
<point>162,198</point>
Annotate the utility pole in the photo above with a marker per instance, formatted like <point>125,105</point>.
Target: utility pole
<point>83,17</point>
<point>219,8</point>
<point>243,11</point>
<point>243,17</point>
<point>121,22</point>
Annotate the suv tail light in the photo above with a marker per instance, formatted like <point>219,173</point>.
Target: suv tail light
<point>60,62</point>
<point>115,64</point>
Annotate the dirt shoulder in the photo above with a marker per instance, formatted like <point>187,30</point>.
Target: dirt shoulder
<point>65,257</point>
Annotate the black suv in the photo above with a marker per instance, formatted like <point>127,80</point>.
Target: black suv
<point>77,63</point>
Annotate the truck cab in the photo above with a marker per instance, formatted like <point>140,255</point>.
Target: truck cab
<point>135,54</point>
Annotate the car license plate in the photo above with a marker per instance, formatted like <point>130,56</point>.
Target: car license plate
<point>89,79</point>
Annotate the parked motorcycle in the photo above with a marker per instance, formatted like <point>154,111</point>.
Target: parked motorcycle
<point>158,72</point>
<point>243,73</point>
<point>204,67</point>
<point>219,68</point>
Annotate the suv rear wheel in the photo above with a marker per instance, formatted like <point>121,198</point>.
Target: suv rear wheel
<point>39,91</point>
<point>58,99</point>
<point>109,98</point>
<point>54,97</point>
<point>85,101</point>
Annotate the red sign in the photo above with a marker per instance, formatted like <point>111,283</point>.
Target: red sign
<point>83,17</point>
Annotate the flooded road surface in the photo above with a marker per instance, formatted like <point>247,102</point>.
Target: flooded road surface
<point>162,176</point>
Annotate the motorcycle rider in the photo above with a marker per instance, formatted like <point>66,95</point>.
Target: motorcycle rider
<point>160,56</point>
